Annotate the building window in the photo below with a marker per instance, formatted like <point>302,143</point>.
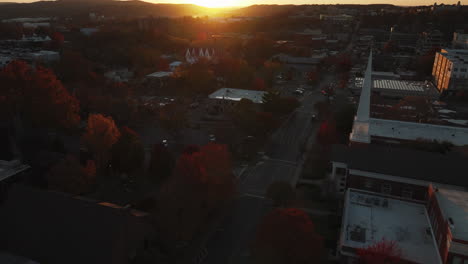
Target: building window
<point>463,69</point>
<point>368,184</point>
<point>340,171</point>
<point>455,69</point>
<point>386,188</point>
<point>407,192</point>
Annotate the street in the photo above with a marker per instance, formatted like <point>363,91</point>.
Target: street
<point>231,240</point>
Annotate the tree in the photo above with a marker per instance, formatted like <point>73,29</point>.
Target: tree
<point>258,84</point>
<point>197,78</point>
<point>323,109</point>
<point>101,133</point>
<point>57,40</point>
<point>326,134</point>
<point>70,177</point>
<point>287,236</point>
<point>128,152</point>
<point>344,118</point>
<point>381,252</point>
<point>274,103</point>
<point>412,108</point>
<point>281,193</point>
<point>161,163</point>
<point>201,183</point>
<point>36,95</point>
<point>313,77</point>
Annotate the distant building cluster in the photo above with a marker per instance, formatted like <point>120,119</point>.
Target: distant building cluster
<point>413,197</point>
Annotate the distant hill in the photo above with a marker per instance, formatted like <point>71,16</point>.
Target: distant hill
<point>265,10</point>
<point>123,9</point>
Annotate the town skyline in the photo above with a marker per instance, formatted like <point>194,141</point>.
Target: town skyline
<point>245,3</point>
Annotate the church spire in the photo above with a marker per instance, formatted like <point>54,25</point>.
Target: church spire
<point>360,132</point>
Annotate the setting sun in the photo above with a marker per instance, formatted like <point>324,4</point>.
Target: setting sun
<point>216,3</point>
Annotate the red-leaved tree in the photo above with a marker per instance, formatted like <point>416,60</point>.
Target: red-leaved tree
<point>35,94</point>
<point>201,183</point>
<point>287,236</point>
<point>101,133</point>
<point>381,252</point>
<point>70,177</point>
<point>326,134</point>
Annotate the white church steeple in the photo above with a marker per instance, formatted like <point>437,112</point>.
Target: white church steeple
<point>360,132</point>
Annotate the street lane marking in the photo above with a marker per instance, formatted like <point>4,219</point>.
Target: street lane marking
<point>253,195</point>
<point>292,163</point>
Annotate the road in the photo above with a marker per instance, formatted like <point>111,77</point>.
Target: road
<point>231,240</point>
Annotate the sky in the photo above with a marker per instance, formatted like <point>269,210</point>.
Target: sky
<point>223,3</point>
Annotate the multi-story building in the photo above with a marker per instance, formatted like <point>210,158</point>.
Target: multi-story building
<point>460,40</point>
<point>414,198</point>
<point>367,129</point>
<point>430,40</point>
<point>450,70</point>
<point>448,213</point>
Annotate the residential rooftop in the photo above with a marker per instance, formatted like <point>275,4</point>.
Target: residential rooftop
<point>69,229</point>
<point>160,74</point>
<point>7,258</point>
<point>11,168</point>
<point>370,218</point>
<point>233,94</point>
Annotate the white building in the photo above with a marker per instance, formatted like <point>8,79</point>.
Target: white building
<point>369,218</point>
<point>365,129</point>
<point>193,55</point>
<point>45,56</point>
<point>174,65</point>
<point>232,94</point>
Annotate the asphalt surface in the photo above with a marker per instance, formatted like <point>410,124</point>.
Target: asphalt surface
<point>230,242</point>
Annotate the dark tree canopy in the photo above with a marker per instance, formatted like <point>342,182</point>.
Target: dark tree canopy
<point>287,236</point>
<point>36,95</point>
<point>128,152</point>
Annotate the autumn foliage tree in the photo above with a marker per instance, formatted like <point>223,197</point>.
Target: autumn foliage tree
<point>381,252</point>
<point>36,95</point>
<point>70,177</point>
<point>161,163</point>
<point>101,133</point>
<point>201,182</point>
<point>128,152</point>
<point>326,134</point>
<point>287,236</point>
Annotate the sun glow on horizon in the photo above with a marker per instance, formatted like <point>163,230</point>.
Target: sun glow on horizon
<point>215,3</point>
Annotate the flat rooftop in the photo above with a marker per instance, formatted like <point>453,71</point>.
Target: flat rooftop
<point>386,128</point>
<point>233,94</point>
<point>369,218</point>
<point>420,166</point>
<point>456,55</point>
<point>454,204</point>
<point>161,74</point>
<point>396,85</point>
<point>11,168</point>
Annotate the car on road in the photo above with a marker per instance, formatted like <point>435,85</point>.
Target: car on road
<point>299,91</point>
<point>212,138</point>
